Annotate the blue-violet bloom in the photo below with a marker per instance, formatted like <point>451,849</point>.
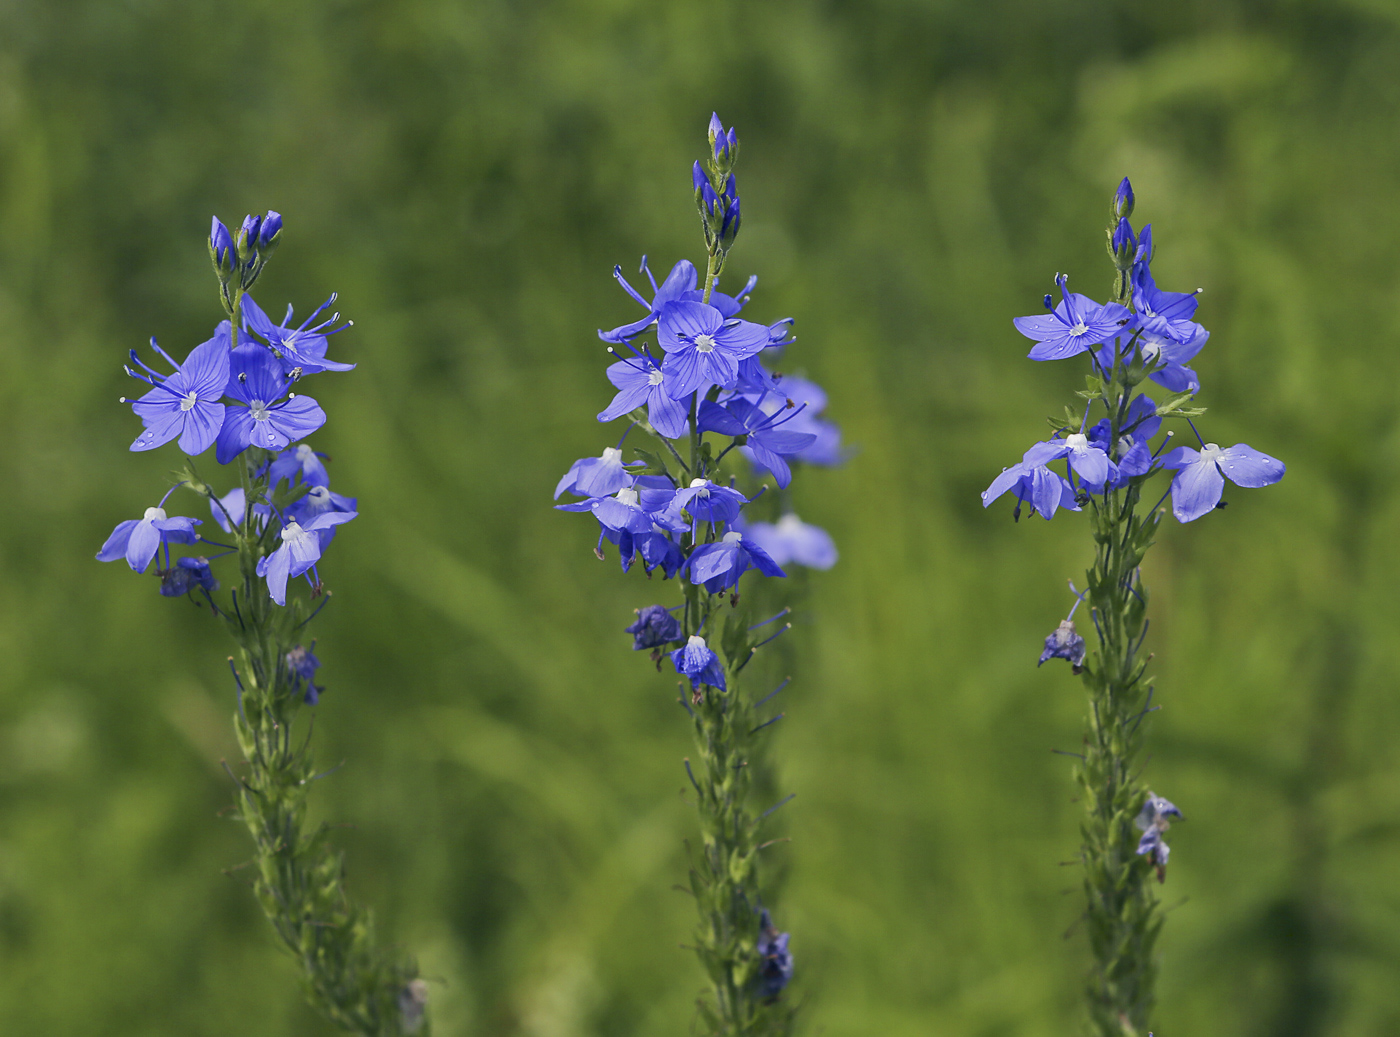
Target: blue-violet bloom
<point>1073,326</point>
<point>702,347</point>
<point>1201,475</point>
<point>299,551</point>
<point>137,540</point>
<point>718,566</point>
<point>266,420</point>
<point>302,347</point>
<point>186,403</point>
<point>792,540</point>
<point>698,662</point>
<point>655,626</point>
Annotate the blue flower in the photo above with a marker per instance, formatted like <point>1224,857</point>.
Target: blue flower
<point>300,463</point>
<point>679,283</point>
<point>137,540</point>
<point>621,519</point>
<point>597,476</point>
<point>702,347</point>
<point>775,965</point>
<point>718,566</point>
<point>1201,475</point>
<point>792,540</point>
<point>1075,324</point>
<point>1164,315</point>
<point>1045,491</point>
<point>1088,461</point>
<point>299,551</point>
<point>640,381</point>
<point>1152,821</point>
<point>698,662</point>
<point>302,664</point>
<point>185,575</point>
<point>655,626</point>
<point>1065,643</point>
<point>769,444</point>
<point>266,419</point>
<point>186,403</point>
<point>318,501</point>
<point>303,347</point>
<point>709,502</point>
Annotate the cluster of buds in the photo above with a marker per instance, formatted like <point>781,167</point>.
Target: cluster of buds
<point>242,257</point>
<point>716,195</point>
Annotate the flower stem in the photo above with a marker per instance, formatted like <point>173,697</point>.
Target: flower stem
<point>724,873</point>
<point>298,877</point>
<point>1123,915</point>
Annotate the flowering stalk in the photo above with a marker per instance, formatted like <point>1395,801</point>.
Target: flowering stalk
<point>1143,334</point>
<point>684,516</point>
<point>234,392</point>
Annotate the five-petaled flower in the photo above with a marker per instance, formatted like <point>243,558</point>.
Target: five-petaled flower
<point>301,348</point>
<point>718,566</point>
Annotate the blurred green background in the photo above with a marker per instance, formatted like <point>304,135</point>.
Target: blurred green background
<point>466,174</point>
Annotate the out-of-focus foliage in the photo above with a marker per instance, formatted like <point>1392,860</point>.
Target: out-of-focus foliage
<point>914,173</point>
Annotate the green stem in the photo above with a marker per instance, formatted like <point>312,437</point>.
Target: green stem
<point>1123,914</point>
<point>298,877</point>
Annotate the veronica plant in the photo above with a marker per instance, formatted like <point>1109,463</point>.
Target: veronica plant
<point>1142,335</point>
<point>240,392</point>
<point>725,430</point>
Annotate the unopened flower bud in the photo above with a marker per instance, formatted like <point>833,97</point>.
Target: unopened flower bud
<point>271,232</point>
<point>221,250</point>
<point>1123,201</point>
<point>247,239</point>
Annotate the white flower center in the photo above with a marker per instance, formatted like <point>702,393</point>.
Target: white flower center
<point>612,455</point>
<point>305,453</point>
<point>655,377</point>
<point>154,513</point>
<point>1151,350</point>
<point>1077,441</point>
<point>1079,329</point>
<point>789,524</point>
<point>733,537</point>
<point>188,401</point>
<point>697,482</point>
<point>318,496</point>
<point>628,496</point>
<point>696,641</point>
<point>1210,452</point>
<point>259,409</point>
<point>293,532</point>
<point>705,343</point>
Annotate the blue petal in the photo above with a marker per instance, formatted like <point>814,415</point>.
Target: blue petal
<point>1245,466</point>
<point>1196,489</point>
